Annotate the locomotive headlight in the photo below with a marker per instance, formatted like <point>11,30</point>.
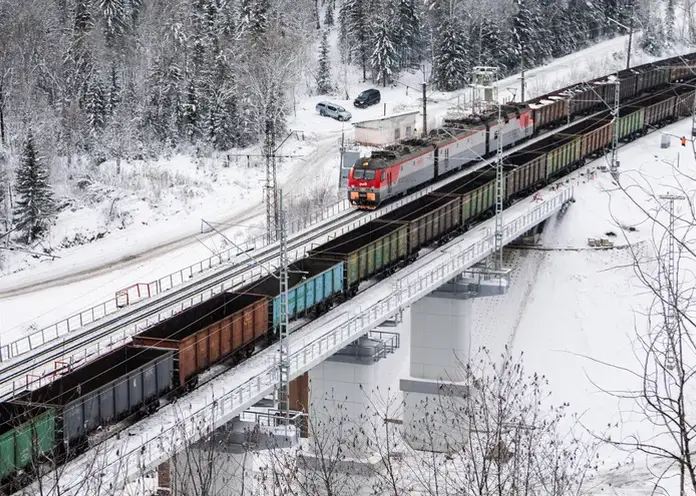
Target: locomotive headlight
<point>354,195</point>
<point>371,197</point>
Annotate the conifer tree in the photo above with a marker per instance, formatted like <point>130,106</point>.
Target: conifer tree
<point>324,85</point>
<point>329,14</point>
<point>525,40</point>
<point>652,40</point>
<point>113,97</point>
<point>115,19</point>
<point>190,112</point>
<point>406,29</point>
<point>384,59</point>
<point>96,106</point>
<point>488,45</point>
<point>34,206</point>
<point>4,196</point>
<point>355,18</point>
<point>669,21</point>
<point>451,66</point>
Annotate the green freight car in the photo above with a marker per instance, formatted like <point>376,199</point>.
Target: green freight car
<point>631,122</point>
<point>430,218</point>
<point>477,192</point>
<point>367,251</point>
<point>564,157</point>
<point>26,433</point>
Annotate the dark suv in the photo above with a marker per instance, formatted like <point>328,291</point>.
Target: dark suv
<point>367,98</point>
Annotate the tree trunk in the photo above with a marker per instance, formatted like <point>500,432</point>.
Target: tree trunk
<point>2,115</point>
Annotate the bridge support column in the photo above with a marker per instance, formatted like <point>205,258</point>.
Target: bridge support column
<point>440,348</point>
<point>164,485</point>
<point>347,394</point>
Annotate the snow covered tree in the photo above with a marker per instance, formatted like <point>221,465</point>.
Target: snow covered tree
<point>96,106</point>
<point>355,20</point>
<point>324,85</point>
<point>487,44</point>
<point>525,36</point>
<point>190,112</point>
<point>115,19</point>
<point>224,120</point>
<point>669,20</point>
<point>451,65</point>
<point>255,14</point>
<point>406,28</point>
<point>329,13</point>
<point>83,20</point>
<point>4,195</point>
<point>652,41</point>
<point>34,205</point>
<point>113,96</point>
<point>385,58</point>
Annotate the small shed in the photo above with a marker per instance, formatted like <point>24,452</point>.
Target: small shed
<point>386,130</point>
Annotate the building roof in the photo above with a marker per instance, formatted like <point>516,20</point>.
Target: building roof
<point>386,117</point>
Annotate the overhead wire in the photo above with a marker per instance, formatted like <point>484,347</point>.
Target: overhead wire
<point>467,180</point>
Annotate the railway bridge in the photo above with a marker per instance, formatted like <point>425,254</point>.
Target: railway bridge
<point>150,442</point>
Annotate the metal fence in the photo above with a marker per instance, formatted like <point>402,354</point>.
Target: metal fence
<point>79,320</point>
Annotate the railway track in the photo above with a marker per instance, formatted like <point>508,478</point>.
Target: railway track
<point>29,369</point>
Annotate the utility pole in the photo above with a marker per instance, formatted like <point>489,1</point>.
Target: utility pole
<point>425,111</point>
<point>614,165</point>
<point>499,192</point>
<point>671,278</point>
<point>271,188</point>
<point>693,118</point>
<point>284,362</point>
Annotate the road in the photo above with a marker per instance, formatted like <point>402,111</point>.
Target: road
<point>305,171</point>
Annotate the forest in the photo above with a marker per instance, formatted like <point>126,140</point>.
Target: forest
<point>129,79</point>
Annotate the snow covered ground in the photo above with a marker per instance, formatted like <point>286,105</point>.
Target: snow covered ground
<point>572,309</point>
<point>144,237</point>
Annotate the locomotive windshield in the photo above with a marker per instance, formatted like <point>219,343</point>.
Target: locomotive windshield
<point>369,174</point>
<point>358,173</point>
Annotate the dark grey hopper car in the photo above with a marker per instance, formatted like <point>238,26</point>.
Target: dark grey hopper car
<point>110,388</point>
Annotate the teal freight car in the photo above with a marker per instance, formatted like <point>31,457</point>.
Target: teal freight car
<point>313,284</point>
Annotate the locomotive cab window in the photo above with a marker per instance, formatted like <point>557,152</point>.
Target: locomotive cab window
<point>383,177</point>
<point>358,173</point>
<point>369,174</point>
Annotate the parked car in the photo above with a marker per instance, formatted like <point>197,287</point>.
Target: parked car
<point>367,98</point>
<point>328,109</point>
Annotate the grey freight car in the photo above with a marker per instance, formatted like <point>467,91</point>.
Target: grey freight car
<point>126,381</point>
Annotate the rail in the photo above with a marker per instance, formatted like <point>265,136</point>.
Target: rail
<point>97,312</point>
<point>14,349</point>
<point>147,446</point>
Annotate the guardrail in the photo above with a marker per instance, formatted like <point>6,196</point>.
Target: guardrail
<point>149,447</point>
<point>79,320</point>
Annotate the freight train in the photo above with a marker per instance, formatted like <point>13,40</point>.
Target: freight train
<point>402,168</point>
<point>55,421</point>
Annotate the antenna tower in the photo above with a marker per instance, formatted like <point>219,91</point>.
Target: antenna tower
<point>271,187</point>
<point>485,89</point>
<point>284,362</point>
<point>671,279</point>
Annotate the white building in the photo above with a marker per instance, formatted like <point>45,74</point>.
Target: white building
<point>386,130</point>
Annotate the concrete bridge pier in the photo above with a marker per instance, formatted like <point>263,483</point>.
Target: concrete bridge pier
<point>441,328</point>
<point>348,396</point>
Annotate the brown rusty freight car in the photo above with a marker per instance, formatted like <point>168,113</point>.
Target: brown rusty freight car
<point>225,326</point>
